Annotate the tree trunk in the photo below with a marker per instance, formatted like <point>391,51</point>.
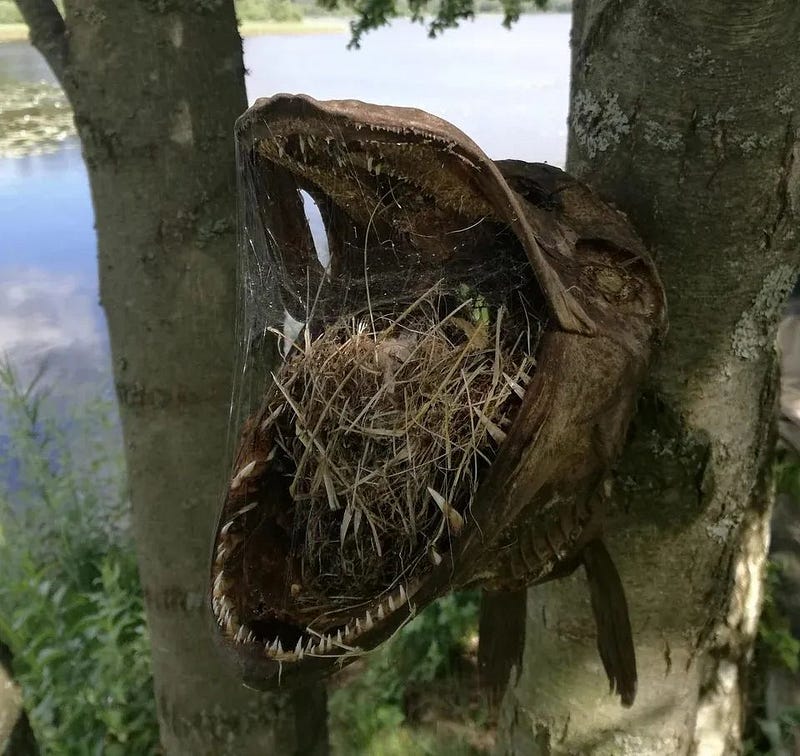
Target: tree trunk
<point>684,114</point>
<point>16,735</point>
<point>155,90</point>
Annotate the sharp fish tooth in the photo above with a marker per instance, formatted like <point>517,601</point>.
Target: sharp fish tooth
<point>242,474</point>
<point>381,613</point>
<point>298,649</point>
<point>280,647</point>
<point>339,636</point>
<point>245,509</point>
<point>226,528</point>
<point>358,626</point>
<point>391,604</point>
<point>403,596</point>
<point>369,623</point>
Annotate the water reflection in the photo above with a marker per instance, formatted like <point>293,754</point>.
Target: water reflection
<point>507,90</point>
<point>20,62</point>
<point>46,216</point>
<point>52,318</point>
<point>34,117</point>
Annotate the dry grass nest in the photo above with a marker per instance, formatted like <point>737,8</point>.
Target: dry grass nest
<point>387,420</point>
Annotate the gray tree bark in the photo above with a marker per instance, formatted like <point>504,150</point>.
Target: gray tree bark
<point>685,115</point>
<point>16,736</point>
<point>155,88</point>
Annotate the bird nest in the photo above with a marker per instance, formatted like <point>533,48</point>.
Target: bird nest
<point>387,421</point>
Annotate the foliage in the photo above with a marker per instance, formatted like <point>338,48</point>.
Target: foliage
<point>776,646</point>
<point>9,14</point>
<point>368,714</point>
<point>775,731</point>
<point>369,14</point>
<point>439,15</point>
<point>268,10</point>
<point>774,631</point>
<point>246,10</point>
<point>71,607</point>
<point>787,476</point>
<point>70,602</point>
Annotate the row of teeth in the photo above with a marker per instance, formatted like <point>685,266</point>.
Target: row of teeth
<point>310,141</point>
<point>319,645</point>
<point>315,645</point>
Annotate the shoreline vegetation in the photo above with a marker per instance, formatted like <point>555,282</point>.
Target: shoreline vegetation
<point>281,17</point>
<point>35,117</point>
<point>17,32</point>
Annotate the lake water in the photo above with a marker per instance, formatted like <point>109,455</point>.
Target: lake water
<point>507,89</point>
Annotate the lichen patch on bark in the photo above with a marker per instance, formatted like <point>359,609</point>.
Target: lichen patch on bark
<point>755,330</point>
<point>598,121</point>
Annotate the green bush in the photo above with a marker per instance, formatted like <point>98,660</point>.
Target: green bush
<point>268,10</point>
<point>776,647</point>
<point>367,715</point>
<point>9,14</point>
<point>71,607</point>
<point>70,601</point>
<point>787,476</point>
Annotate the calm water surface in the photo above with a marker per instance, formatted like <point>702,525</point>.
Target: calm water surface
<point>507,90</point>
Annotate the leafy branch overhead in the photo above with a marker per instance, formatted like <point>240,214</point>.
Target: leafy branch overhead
<point>441,15</point>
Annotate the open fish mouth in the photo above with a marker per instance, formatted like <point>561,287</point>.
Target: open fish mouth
<point>330,537</point>
<point>355,477</point>
<point>271,623</point>
<point>280,637</point>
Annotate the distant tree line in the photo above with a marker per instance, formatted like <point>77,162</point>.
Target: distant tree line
<point>294,10</point>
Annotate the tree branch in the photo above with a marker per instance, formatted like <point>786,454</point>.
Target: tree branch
<point>47,32</point>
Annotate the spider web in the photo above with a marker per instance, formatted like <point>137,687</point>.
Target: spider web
<point>337,239</point>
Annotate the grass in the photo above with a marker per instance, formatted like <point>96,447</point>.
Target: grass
<point>71,608</point>
<point>418,693</point>
<point>428,384</point>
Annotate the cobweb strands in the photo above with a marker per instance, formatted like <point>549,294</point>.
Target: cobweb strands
<point>438,357</point>
<point>385,343</point>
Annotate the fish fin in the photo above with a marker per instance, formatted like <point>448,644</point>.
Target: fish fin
<point>610,608</point>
